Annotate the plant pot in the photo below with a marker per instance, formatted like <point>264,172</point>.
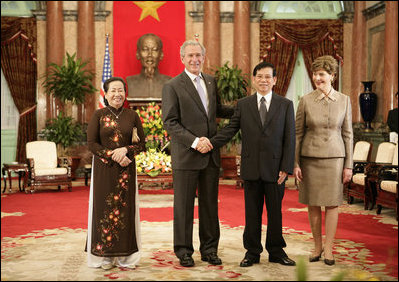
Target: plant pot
<point>229,166</point>
<point>368,104</point>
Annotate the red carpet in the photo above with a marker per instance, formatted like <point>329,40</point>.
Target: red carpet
<point>53,209</point>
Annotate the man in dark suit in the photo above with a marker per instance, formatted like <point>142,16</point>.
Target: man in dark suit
<point>393,118</point>
<point>190,105</point>
<point>267,126</point>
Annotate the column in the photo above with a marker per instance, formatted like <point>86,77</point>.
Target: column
<point>241,51</point>
<point>358,58</point>
<point>54,48</point>
<point>390,57</point>
<point>211,35</point>
<point>86,51</point>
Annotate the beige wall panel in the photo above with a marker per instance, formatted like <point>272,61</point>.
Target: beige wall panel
<point>226,44</point>
<point>375,38</point>
<point>376,69</point>
<point>41,70</point>
<point>347,66</point>
<point>255,45</point>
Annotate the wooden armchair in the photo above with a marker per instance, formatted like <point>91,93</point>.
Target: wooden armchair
<point>387,185</point>
<point>45,168</point>
<point>361,156</point>
<point>364,176</point>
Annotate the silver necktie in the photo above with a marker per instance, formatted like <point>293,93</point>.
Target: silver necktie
<point>201,93</point>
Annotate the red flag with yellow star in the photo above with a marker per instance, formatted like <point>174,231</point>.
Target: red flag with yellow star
<point>133,19</point>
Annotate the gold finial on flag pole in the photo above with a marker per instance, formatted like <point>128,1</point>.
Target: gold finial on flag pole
<point>196,36</point>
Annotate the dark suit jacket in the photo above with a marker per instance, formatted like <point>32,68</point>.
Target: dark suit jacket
<point>265,150</point>
<point>185,118</point>
<point>393,120</point>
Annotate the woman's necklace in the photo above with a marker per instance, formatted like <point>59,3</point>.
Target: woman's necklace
<point>116,115</point>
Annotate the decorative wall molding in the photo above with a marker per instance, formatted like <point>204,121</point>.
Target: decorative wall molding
<point>225,17</point>
<point>100,13</point>
<point>348,12</point>
<point>374,10</point>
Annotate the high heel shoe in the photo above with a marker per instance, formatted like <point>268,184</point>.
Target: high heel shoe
<point>315,258</point>
<point>329,261</point>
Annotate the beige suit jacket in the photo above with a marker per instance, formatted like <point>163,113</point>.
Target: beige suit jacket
<point>324,127</point>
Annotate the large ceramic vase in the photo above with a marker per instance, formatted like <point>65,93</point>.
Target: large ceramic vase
<point>368,104</point>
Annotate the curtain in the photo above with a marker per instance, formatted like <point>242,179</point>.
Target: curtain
<point>18,62</point>
<point>280,40</point>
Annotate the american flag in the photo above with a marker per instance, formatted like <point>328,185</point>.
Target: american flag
<point>106,74</point>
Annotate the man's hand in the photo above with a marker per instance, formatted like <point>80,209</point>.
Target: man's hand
<point>281,177</point>
<point>204,145</point>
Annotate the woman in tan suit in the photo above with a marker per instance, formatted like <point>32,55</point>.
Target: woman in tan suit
<point>323,153</point>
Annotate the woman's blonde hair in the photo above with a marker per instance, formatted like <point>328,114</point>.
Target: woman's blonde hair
<point>327,63</point>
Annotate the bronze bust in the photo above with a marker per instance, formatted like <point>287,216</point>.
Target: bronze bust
<point>149,83</point>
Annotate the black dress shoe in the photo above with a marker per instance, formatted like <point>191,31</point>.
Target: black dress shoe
<point>283,261</point>
<point>212,258</point>
<point>186,260</point>
<point>248,262</point>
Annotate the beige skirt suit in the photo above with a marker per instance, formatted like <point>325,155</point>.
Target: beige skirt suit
<point>324,146</point>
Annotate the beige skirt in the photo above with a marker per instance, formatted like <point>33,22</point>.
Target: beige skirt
<point>322,181</point>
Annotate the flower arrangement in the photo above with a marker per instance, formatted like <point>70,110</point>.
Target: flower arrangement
<point>153,162</point>
<point>156,135</point>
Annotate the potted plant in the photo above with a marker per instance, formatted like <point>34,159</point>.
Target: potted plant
<point>64,132</point>
<point>69,81</point>
<point>232,85</point>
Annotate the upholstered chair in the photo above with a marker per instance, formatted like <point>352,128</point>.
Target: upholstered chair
<point>387,185</point>
<point>45,168</point>
<point>363,175</point>
<point>361,157</point>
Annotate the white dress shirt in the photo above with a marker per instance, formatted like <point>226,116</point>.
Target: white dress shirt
<point>202,82</point>
<point>268,98</point>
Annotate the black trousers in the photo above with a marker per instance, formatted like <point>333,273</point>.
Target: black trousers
<point>185,183</point>
<point>256,193</point>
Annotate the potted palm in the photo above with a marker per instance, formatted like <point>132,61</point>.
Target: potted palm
<point>232,85</point>
<point>69,82</point>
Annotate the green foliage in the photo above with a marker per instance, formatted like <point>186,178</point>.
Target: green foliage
<point>62,130</point>
<point>232,85</point>
<point>70,81</point>
<point>301,270</point>
<point>235,140</point>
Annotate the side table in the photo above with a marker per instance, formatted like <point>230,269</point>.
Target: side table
<point>20,168</point>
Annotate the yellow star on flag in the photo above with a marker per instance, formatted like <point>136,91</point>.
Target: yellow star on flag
<point>149,9</point>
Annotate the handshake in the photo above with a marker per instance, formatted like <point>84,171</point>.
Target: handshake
<point>204,145</point>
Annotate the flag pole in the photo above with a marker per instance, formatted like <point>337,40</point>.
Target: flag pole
<point>107,73</point>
